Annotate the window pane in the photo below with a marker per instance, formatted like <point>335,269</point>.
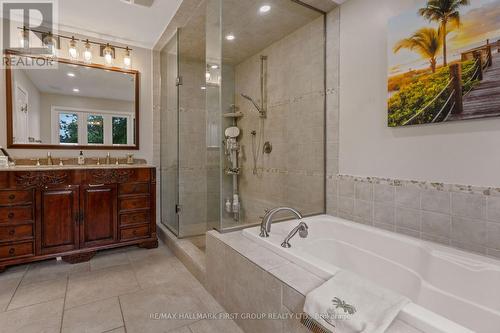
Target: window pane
<point>95,129</point>
<point>68,128</point>
<point>119,130</point>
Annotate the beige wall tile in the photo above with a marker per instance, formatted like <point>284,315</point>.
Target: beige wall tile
<point>436,201</point>
<point>408,218</point>
<point>408,197</point>
<point>468,205</point>
<point>384,193</point>
<point>364,191</point>
<point>436,224</point>
<point>384,213</point>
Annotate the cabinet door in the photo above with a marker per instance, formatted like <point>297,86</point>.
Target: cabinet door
<point>59,218</point>
<point>100,222</point>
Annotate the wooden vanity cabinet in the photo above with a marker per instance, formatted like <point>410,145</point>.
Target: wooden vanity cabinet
<point>73,213</point>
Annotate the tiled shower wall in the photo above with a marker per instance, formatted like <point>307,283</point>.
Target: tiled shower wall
<point>292,175</point>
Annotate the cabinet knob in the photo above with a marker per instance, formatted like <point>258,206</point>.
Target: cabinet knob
<point>12,197</point>
<point>12,232</point>
<point>11,215</point>
<point>12,251</point>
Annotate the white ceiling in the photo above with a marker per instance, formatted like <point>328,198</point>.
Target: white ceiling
<point>117,21</point>
<point>91,82</point>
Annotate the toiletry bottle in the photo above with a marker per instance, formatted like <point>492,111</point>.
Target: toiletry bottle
<point>49,159</point>
<point>236,203</point>
<point>229,204</point>
<point>81,158</point>
<point>108,159</point>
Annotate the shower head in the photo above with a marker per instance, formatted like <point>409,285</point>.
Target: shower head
<point>253,102</point>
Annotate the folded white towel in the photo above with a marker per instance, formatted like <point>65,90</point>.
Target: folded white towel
<point>348,303</point>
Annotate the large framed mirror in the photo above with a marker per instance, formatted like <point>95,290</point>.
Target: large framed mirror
<point>72,106</point>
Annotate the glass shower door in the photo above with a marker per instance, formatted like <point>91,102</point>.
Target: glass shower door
<point>169,136</point>
<point>193,165</point>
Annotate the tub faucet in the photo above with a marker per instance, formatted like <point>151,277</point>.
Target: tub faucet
<point>267,220</point>
<point>303,231</point>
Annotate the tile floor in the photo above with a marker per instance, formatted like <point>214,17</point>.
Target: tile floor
<point>117,291</point>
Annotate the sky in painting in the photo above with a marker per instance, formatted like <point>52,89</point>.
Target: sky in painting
<point>480,21</point>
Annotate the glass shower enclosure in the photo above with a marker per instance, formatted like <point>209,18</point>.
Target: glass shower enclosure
<point>242,115</point>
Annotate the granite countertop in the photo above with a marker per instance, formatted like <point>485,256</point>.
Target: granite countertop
<point>74,167</point>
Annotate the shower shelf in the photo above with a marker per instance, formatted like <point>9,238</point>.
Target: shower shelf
<point>233,115</point>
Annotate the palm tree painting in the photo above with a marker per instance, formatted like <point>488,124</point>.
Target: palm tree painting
<point>441,54</point>
<point>444,12</point>
<point>426,41</point>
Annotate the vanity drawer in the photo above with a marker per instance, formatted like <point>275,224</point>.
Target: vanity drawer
<point>16,214</point>
<point>16,233</point>
<point>133,188</point>
<point>134,233</point>
<point>8,198</point>
<point>135,203</point>
<point>135,218</point>
<point>16,250</point>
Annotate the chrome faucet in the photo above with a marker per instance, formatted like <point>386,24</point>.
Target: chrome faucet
<point>267,220</point>
<point>303,231</point>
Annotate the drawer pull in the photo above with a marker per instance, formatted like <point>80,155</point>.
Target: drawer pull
<point>12,251</point>
<point>12,197</point>
<point>96,185</point>
<point>12,232</point>
<point>11,215</point>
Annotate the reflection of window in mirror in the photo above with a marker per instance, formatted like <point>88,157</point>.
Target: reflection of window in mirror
<point>74,126</point>
<point>68,128</point>
<point>95,130</point>
<point>120,130</point>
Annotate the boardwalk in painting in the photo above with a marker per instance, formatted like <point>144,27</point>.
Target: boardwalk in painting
<point>484,99</point>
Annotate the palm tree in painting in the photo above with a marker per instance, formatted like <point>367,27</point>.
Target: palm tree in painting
<point>427,42</point>
<point>444,12</point>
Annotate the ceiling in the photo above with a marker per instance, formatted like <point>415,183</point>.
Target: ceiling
<point>91,82</point>
<point>253,31</point>
<point>135,25</point>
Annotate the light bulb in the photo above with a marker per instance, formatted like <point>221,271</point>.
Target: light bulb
<point>108,55</point>
<point>127,60</point>
<point>87,53</point>
<point>265,9</point>
<point>51,44</point>
<point>73,51</point>
<point>230,37</point>
<point>24,38</point>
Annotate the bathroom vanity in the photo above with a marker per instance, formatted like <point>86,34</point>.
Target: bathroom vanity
<point>72,212</point>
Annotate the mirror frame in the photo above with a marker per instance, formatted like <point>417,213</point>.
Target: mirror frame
<point>9,108</point>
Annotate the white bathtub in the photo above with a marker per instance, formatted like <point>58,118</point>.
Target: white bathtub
<point>452,291</point>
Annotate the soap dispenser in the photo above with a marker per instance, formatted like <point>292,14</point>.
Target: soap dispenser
<point>81,158</point>
<point>49,159</point>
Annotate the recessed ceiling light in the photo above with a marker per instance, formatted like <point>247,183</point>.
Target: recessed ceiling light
<point>265,9</point>
<point>203,88</point>
<point>71,74</point>
<point>230,37</point>
<point>214,66</point>
<point>76,90</point>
